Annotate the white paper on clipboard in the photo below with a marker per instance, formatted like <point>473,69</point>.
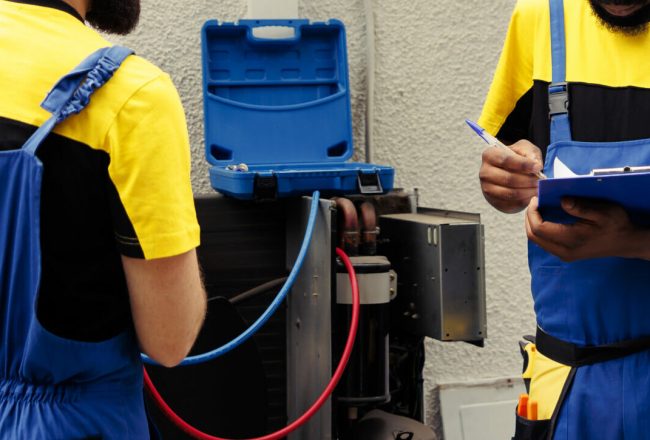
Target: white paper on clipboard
<point>561,170</point>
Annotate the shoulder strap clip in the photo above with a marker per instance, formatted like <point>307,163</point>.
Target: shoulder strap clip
<point>558,99</point>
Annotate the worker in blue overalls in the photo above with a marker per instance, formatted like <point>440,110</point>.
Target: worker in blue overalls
<point>572,90</point>
<point>97,223</point>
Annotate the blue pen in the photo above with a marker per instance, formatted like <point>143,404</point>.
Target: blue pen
<point>491,140</point>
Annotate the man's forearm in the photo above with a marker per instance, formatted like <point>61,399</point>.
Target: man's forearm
<point>168,304</point>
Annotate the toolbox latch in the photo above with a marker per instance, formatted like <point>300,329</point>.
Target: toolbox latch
<point>265,187</point>
<point>369,183</point>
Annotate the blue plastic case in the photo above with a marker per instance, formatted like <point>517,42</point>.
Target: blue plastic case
<point>282,108</point>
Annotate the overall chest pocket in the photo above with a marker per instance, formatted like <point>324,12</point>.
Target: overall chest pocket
<point>583,157</point>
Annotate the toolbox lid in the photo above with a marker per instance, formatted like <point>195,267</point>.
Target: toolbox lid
<point>276,100</point>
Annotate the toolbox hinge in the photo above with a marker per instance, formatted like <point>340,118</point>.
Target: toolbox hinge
<point>265,187</point>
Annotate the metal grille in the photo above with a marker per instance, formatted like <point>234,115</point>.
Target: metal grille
<point>243,245</point>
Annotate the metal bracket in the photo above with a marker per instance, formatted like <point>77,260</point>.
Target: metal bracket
<point>369,183</point>
<point>558,99</point>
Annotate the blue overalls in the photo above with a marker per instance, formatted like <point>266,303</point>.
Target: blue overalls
<point>593,315</point>
<point>53,388</point>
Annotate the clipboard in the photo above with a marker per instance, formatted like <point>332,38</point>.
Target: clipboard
<point>630,189</point>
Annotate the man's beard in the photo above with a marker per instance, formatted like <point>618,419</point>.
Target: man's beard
<point>633,24</point>
<point>114,16</point>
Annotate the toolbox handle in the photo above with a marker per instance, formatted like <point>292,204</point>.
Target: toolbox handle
<point>256,24</point>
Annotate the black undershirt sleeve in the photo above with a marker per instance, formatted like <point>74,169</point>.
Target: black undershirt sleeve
<point>517,124</point>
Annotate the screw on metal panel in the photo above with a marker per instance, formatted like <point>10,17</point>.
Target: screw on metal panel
<point>392,277</point>
<point>415,316</point>
<point>314,285</point>
<point>298,323</point>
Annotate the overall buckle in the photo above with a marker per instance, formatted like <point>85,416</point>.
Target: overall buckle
<point>558,99</point>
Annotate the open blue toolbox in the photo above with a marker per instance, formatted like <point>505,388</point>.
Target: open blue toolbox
<point>277,112</point>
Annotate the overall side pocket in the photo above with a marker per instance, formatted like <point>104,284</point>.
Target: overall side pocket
<point>547,383</point>
<point>531,429</point>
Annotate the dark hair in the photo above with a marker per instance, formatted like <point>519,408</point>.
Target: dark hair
<point>114,16</point>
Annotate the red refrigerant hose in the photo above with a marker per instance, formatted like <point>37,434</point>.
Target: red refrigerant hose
<point>187,428</point>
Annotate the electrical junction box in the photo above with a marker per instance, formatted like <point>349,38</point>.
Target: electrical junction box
<point>439,257</point>
<point>277,112</point>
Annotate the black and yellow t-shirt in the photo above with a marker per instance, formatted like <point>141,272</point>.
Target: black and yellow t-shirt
<point>116,177</point>
<point>608,75</point>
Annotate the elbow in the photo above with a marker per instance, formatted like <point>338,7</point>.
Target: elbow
<point>168,360</point>
<point>169,355</point>
<point>170,348</point>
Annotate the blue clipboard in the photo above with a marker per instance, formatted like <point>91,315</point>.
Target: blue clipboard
<point>630,190</point>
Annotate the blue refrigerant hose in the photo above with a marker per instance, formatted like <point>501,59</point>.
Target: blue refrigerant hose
<point>279,299</point>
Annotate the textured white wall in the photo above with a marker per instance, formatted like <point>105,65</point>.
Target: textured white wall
<point>434,64</point>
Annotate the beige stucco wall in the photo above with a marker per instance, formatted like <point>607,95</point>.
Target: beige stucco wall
<point>435,59</point>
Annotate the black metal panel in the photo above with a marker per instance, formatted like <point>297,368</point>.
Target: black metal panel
<point>243,245</point>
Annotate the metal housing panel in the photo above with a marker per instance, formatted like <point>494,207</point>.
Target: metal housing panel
<point>462,283</point>
<point>439,257</point>
<point>309,320</point>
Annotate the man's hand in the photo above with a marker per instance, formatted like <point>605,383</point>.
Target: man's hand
<point>602,230</point>
<point>508,178</point>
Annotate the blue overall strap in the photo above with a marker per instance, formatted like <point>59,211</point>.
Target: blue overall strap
<point>71,94</point>
<point>558,92</point>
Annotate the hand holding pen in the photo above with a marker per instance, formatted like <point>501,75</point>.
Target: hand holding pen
<point>492,141</point>
<point>509,175</point>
